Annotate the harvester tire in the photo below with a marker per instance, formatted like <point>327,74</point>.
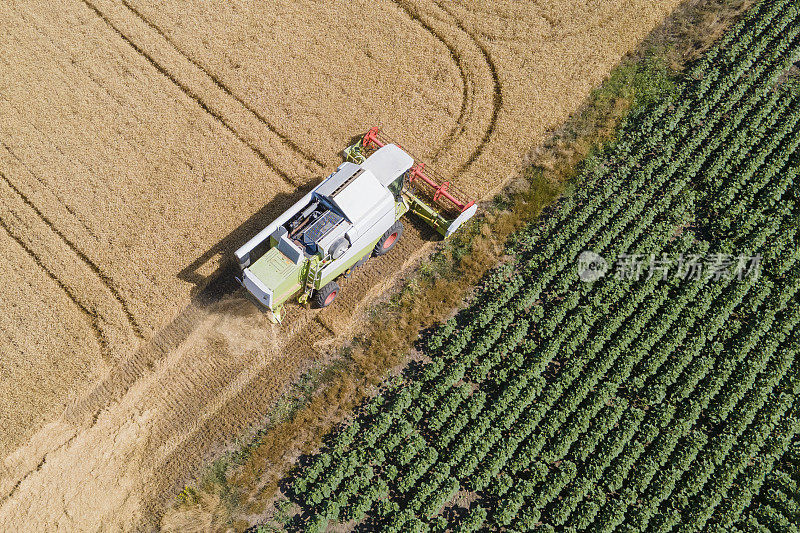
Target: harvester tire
<point>326,295</point>
<point>389,239</point>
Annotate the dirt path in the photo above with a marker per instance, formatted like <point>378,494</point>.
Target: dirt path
<point>121,186</point>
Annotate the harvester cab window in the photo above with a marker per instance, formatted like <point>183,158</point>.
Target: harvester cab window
<point>396,187</point>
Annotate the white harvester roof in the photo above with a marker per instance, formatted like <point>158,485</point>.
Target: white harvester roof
<point>388,162</point>
<point>354,190</point>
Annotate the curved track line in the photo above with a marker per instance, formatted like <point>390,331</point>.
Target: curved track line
<point>104,278</point>
<point>89,314</point>
<point>191,94</point>
<point>457,58</point>
<point>222,86</point>
<point>497,96</point>
<point>497,90</point>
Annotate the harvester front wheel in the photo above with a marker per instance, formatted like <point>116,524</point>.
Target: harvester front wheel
<point>326,295</point>
<point>389,239</point>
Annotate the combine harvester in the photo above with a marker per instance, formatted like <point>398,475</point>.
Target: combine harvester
<point>349,217</point>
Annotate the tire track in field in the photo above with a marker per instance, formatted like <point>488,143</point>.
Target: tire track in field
<point>103,277</point>
<point>470,87</point>
<point>458,59</point>
<point>497,95</point>
<point>125,372</point>
<point>11,341</point>
<point>38,178</point>
<point>222,86</point>
<point>35,468</point>
<point>192,95</point>
<point>90,315</point>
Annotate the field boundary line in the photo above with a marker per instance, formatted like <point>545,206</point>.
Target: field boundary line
<point>193,95</point>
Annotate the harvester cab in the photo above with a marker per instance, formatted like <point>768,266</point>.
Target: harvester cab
<point>351,215</point>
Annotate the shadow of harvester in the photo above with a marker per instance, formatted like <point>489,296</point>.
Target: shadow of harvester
<point>219,282</point>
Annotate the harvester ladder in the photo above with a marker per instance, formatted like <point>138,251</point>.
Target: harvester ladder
<point>313,276</point>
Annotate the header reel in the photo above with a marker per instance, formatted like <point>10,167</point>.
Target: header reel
<point>433,199</point>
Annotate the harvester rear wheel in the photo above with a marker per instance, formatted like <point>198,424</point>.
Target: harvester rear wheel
<point>326,295</point>
<point>389,239</point>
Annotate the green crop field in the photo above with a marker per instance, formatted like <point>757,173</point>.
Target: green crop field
<point>634,366</point>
